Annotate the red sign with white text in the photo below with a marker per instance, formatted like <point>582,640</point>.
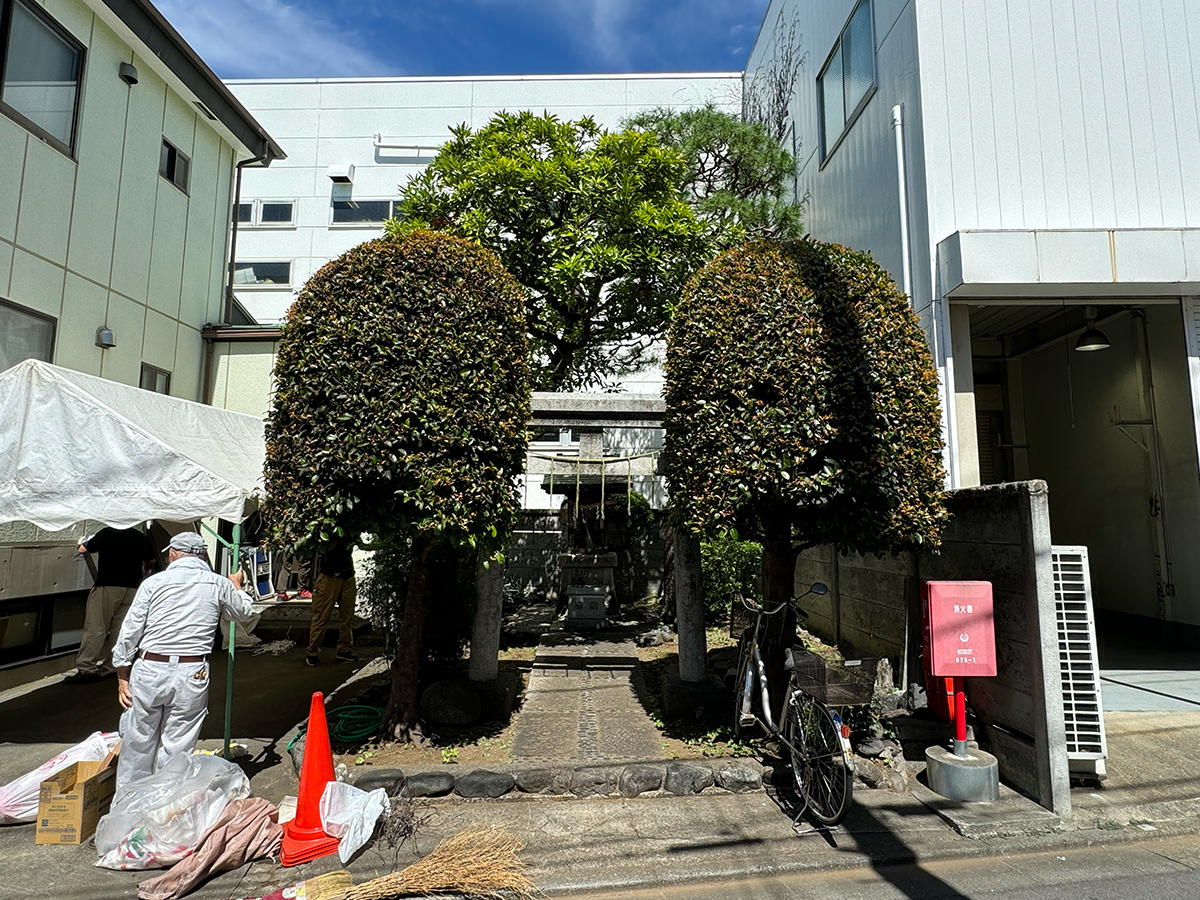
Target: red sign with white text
<point>960,638</point>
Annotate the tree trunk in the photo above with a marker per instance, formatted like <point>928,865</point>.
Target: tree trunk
<point>779,578</point>
<point>403,714</point>
<point>667,593</point>
<point>484,664</point>
<point>689,609</point>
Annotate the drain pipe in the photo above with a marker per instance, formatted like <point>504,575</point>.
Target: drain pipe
<point>937,312</point>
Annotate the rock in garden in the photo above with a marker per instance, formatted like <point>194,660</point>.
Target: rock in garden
<point>914,698</point>
<point>739,778</point>
<point>870,773</point>
<point>543,781</point>
<point>391,780</point>
<point>482,783</point>
<point>428,784</point>
<point>686,778</point>
<point>639,779</point>
<point>869,748</point>
<point>590,782</point>
<point>450,703</point>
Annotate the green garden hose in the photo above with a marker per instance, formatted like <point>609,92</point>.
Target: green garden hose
<point>350,724</point>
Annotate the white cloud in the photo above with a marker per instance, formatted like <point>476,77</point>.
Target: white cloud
<point>271,39</point>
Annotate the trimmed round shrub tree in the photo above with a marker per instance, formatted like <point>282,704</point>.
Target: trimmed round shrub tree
<point>802,407</point>
<point>400,409</point>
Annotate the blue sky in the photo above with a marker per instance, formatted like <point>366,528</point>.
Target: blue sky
<point>328,38</point>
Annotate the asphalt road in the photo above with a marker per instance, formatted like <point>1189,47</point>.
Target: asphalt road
<point>1167,869</point>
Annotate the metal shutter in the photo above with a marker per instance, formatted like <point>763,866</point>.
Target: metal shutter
<point>1087,747</point>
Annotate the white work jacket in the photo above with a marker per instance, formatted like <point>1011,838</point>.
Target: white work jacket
<point>176,612</point>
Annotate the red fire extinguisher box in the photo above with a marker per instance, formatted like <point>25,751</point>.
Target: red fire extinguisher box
<point>958,637</point>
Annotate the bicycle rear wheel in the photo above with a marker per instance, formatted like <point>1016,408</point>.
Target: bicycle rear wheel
<point>819,765</point>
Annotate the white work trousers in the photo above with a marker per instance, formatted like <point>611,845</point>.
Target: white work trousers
<point>170,701</point>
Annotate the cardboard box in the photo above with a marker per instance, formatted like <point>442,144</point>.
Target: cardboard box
<point>72,802</point>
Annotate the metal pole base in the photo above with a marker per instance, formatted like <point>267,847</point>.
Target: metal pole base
<point>974,777</point>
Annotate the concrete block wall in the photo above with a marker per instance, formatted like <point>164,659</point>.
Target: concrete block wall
<point>997,533</point>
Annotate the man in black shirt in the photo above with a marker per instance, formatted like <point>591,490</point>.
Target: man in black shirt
<point>334,584</point>
<point>125,555</point>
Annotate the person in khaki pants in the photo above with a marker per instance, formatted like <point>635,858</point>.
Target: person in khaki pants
<point>334,584</point>
<point>125,555</point>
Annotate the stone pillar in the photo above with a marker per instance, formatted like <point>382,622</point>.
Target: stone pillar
<point>689,609</point>
<point>484,664</point>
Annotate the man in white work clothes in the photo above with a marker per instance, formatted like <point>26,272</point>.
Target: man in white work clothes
<point>161,655</point>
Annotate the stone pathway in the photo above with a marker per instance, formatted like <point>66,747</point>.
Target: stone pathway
<point>582,703</point>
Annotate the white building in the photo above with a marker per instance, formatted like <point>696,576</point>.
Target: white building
<point>351,143</point>
<point>118,153</point>
<point>1029,170</point>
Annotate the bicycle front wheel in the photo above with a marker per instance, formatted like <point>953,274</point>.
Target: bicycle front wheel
<point>743,687</point>
<point>819,766</point>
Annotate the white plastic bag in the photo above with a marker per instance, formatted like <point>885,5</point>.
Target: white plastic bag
<point>350,814</point>
<point>158,820</point>
<point>19,798</point>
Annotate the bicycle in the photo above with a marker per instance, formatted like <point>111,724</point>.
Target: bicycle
<point>817,739</point>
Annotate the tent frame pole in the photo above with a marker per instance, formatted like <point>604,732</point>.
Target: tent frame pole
<point>235,547</point>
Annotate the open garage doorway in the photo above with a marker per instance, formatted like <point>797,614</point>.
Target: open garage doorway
<point>1095,399</point>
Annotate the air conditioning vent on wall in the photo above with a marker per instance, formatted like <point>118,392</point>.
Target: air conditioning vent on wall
<point>1087,747</point>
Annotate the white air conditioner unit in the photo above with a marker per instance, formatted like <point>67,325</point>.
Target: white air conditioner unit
<point>1087,745</point>
<point>341,173</point>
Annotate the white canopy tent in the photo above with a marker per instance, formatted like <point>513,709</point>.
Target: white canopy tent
<point>76,447</point>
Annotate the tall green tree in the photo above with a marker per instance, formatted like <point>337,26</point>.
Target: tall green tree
<point>593,224</point>
<point>738,177</point>
<point>400,409</point>
<point>802,407</point>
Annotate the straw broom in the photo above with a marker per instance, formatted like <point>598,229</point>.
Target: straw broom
<point>479,862</point>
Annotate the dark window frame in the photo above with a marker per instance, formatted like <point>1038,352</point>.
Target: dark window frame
<point>53,322</point>
<point>393,211</point>
<point>258,286</point>
<point>849,117</point>
<point>155,371</point>
<point>172,165</point>
<point>6,13</point>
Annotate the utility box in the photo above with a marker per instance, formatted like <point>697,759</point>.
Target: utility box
<point>959,632</point>
<point>71,803</point>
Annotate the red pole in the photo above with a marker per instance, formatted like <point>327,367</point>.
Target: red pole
<point>960,714</point>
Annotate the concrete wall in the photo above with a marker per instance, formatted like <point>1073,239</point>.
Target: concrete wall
<point>101,238</point>
<point>999,534</point>
<point>242,376</point>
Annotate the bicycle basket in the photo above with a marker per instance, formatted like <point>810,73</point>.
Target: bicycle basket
<point>837,683</point>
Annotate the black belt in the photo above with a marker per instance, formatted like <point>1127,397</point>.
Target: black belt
<point>161,657</point>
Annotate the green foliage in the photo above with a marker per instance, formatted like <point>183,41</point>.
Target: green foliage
<point>728,566</point>
<point>402,397</point>
<point>593,225</point>
<point>800,390</point>
<point>738,177</point>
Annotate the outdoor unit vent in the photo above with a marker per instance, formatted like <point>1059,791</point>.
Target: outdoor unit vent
<point>1087,747</point>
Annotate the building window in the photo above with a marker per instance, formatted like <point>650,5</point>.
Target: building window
<point>155,379</point>
<point>847,80</point>
<point>42,68</point>
<point>364,212</point>
<point>276,212</point>
<point>24,335</point>
<point>267,213</point>
<point>262,274</point>
<point>174,165</point>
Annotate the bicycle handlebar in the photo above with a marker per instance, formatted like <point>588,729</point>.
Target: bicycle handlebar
<point>793,602</point>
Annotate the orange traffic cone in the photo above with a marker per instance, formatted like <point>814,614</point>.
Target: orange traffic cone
<point>303,837</point>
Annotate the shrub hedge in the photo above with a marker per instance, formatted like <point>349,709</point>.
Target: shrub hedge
<point>800,390</point>
<point>402,396</point>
